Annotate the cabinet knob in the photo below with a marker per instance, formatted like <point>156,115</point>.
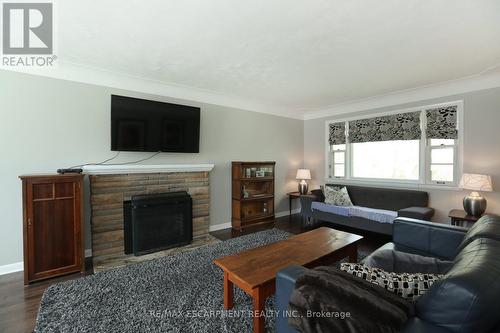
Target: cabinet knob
<point>29,222</point>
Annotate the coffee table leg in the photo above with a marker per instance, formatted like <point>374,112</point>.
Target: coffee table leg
<point>228,292</point>
<point>259,303</point>
<point>353,253</point>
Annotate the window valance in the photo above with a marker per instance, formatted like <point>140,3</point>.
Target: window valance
<point>402,126</point>
<point>337,134</point>
<point>442,123</point>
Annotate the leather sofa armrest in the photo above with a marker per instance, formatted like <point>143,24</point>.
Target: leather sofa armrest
<point>420,213</point>
<point>285,284</point>
<point>427,238</point>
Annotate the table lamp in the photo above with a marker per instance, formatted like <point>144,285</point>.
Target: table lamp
<point>303,175</point>
<point>474,203</point>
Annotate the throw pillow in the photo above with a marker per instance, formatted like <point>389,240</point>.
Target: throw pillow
<point>337,196</point>
<point>406,285</point>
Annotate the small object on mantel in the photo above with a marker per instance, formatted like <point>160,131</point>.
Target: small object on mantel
<point>70,170</point>
<point>459,216</point>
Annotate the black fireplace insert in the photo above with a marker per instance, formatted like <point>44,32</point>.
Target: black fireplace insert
<point>156,222</point>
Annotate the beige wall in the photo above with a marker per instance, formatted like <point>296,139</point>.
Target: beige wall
<point>481,146</point>
<point>47,124</point>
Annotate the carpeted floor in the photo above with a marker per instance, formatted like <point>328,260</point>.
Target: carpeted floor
<point>178,293</point>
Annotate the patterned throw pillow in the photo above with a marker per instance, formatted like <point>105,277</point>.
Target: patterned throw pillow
<point>406,285</point>
<point>337,196</point>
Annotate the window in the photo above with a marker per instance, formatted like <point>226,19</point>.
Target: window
<point>420,146</point>
<point>338,160</point>
<point>386,160</point>
<point>442,160</point>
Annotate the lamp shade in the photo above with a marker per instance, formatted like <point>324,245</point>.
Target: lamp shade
<point>475,182</point>
<point>303,174</point>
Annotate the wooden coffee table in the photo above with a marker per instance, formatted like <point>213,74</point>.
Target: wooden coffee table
<point>254,271</point>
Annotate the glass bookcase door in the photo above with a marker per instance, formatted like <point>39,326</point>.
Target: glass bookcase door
<point>261,171</point>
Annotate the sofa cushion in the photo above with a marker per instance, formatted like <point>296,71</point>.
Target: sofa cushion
<point>466,298</point>
<point>338,210</point>
<point>390,260</point>
<point>487,226</point>
<point>385,198</point>
<point>379,215</point>
<point>406,285</point>
<point>427,238</point>
<point>420,213</point>
<point>337,196</point>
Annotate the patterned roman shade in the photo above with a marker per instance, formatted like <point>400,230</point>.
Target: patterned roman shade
<point>337,134</point>
<point>442,123</point>
<point>402,126</point>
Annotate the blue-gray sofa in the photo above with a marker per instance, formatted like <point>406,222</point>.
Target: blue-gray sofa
<point>404,203</point>
<point>466,299</point>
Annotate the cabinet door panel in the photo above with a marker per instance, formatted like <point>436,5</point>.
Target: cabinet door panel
<point>43,191</point>
<point>53,225</point>
<point>64,190</point>
<point>41,240</point>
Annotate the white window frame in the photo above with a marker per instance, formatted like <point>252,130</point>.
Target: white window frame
<point>424,180</point>
<point>332,163</point>
<point>428,174</point>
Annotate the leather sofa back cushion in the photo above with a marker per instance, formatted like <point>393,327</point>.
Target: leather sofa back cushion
<point>428,239</point>
<point>486,227</point>
<point>384,198</point>
<point>466,298</point>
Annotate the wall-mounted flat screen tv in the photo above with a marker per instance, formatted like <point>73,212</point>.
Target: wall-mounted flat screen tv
<point>143,125</point>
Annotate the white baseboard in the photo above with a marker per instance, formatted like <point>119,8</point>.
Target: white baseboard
<point>11,268</point>
<point>287,212</point>
<point>220,226</point>
<point>228,224</point>
<point>19,266</point>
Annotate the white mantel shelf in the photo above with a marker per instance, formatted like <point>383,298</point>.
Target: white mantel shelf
<point>132,168</point>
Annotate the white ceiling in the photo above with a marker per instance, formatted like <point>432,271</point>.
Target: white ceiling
<point>295,55</point>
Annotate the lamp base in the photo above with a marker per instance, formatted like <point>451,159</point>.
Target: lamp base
<point>303,187</point>
<point>474,206</point>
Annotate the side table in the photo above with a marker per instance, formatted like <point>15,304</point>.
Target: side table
<point>292,196</point>
<point>459,217</point>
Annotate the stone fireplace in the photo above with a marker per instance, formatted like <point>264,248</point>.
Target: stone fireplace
<point>110,186</point>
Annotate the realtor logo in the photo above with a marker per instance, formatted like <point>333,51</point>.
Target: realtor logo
<point>27,30</point>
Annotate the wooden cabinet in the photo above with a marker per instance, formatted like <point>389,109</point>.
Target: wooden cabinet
<point>252,194</point>
<point>52,227</point>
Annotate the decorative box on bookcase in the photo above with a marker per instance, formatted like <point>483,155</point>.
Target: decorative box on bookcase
<point>252,194</point>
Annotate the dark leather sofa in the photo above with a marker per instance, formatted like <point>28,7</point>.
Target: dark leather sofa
<point>465,300</point>
<point>407,203</point>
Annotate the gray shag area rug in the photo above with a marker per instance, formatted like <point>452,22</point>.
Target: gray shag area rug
<point>178,293</point>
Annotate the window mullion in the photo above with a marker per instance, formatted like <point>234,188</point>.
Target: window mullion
<point>424,163</point>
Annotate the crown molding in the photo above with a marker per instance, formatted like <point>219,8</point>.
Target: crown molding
<point>448,88</point>
<point>96,76</point>
<point>101,77</point>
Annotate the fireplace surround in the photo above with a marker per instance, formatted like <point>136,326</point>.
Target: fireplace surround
<point>110,186</point>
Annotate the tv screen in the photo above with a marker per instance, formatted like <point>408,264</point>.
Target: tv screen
<point>143,125</point>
